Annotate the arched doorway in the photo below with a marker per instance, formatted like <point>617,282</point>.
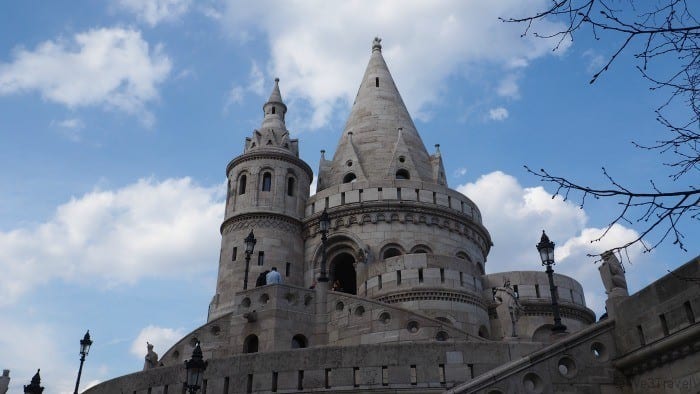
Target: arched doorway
<point>343,270</point>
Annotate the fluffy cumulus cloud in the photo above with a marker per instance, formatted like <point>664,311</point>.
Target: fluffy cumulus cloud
<point>156,11</point>
<point>162,338</point>
<point>498,113</point>
<point>323,61</point>
<point>516,215</point>
<point>146,229</point>
<point>112,67</point>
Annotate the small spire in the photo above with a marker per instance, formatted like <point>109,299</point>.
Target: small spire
<point>377,44</point>
<point>323,154</point>
<point>437,149</point>
<point>276,96</point>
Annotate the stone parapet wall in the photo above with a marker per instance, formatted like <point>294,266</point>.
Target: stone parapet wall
<point>425,367</point>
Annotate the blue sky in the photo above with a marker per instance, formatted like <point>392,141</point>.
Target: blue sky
<point>117,120</point>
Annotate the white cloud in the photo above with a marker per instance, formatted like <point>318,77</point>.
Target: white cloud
<point>460,171</point>
<point>256,85</point>
<point>498,113</point>
<point>508,87</point>
<point>156,11</point>
<point>114,68</point>
<point>162,338</point>
<point>70,128</point>
<point>146,229</point>
<point>595,61</point>
<point>515,217</point>
<point>322,62</point>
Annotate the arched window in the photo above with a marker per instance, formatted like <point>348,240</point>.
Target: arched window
<point>402,174</point>
<point>299,342</point>
<point>250,345</point>
<point>391,252</point>
<point>241,184</point>
<point>463,256</point>
<point>421,249</point>
<point>290,186</point>
<point>273,110</point>
<point>350,177</point>
<point>267,182</point>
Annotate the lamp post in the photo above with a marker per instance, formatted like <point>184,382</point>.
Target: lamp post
<point>85,344</point>
<point>195,367</point>
<point>324,223</point>
<point>546,249</point>
<point>250,242</point>
<point>35,386</point>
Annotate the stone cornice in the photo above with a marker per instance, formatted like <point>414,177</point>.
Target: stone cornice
<point>432,295</point>
<point>270,154</point>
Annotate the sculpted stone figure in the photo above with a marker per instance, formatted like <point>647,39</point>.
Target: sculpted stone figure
<point>508,308</point>
<point>151,358</point>
<point>612,274</point>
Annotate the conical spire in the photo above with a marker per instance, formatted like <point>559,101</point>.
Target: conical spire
<point>273,132</point>
<point>372,132</point>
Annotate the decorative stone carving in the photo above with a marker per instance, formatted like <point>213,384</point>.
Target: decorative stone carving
<point>151,359</point>
<point>612,274</point>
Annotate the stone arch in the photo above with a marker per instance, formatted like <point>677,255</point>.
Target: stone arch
<point>421,248</point>
<point>391,249</point>
<point>342,272</point>
<point>266,174</point>
<point>462,255</point>
<point>299,341</point>
<point>483,332</point>
<point>349,177</point>
<point>241,182</point>
<point>542,333</point>
<point>251,344</point>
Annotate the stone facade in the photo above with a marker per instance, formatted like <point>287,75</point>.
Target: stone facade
<point>409,306</point>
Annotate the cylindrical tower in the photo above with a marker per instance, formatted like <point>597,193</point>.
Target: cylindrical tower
<point>268,186</point>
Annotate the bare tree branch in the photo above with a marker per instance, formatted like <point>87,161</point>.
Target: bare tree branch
<point>659,32</point>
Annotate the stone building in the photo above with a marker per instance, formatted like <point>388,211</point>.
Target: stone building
<point>408,305</point>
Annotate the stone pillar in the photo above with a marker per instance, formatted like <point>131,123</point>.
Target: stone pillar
<point>321,327</point>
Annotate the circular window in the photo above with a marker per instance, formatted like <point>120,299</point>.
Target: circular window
<point>246,302</point>
<point>291,298</point>
<point>442,336</point>
<point>360,310</point>
<point>402,159</point>
<point>533,383</point>
<point>349,163</point>
<point>176,354</point>
<point>600,353</point>
<point>194,341</point>
<point>385,317</point>
<point>339,306</point>
<point>567,367</point>
<point>413,326</point>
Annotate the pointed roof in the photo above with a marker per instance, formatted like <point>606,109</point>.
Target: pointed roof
<point>372,130</point>
<point>273,133</point>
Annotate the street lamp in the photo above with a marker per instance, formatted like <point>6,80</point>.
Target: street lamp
<point>35,386</point>
<point>250,242</point>
<point>85,344</point>
<point>546,249</point>
<point>195,367</point>
<point>324,223</point>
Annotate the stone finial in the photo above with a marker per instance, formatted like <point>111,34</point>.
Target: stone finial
<point>377,44</point>
<point>323,154</point>
<point>437,148</point>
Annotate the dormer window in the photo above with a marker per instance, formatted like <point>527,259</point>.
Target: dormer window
<point>402,174</point>
<point>350,177</point>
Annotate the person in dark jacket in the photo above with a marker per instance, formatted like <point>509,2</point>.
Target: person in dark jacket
<point>261,279</point>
